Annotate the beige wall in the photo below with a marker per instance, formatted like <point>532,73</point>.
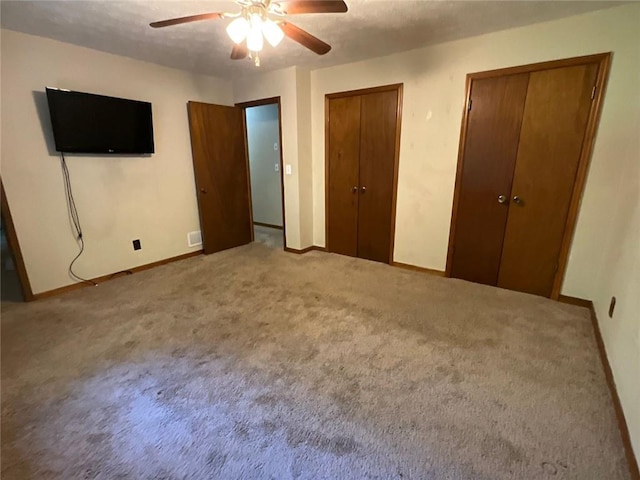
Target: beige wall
<point>305,164</point>
<point>118,198</point>
<point>618,274</point>
<point>434,80</point>
<point>263,139</point>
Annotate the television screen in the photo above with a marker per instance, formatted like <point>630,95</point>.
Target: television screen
<point>88,123</point>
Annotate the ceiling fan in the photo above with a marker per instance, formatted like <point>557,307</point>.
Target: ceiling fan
<point>253,24</point>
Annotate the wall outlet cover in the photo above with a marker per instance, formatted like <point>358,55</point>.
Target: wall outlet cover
<point>612,306</point>
<point>287,169</point>
<point>194,239</point>
<point>277,167</point>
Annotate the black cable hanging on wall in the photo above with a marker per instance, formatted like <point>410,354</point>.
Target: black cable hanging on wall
<point>75,219</point>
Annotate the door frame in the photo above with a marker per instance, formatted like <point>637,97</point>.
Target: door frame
<point>604,62</point>
<point>14,246</point>
<point>260,103</point>
<point>399,88</point>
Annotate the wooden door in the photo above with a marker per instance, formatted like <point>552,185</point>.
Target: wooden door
<point>378,128</point>
<point>220,165</point>
<point>343,157</point>
<point>490,150</point>
<point>551,141</point>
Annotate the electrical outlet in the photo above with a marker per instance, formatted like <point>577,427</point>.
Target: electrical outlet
<point>137,245</point>
<point>612,306</point>
<point>287,169</point>
<point>275,147</point>
<point>277,167</point>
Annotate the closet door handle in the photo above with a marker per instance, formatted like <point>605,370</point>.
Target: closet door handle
<point>354,190</point>
<point>517,200</point>
<point>364,189</point>
<point>502,199</point>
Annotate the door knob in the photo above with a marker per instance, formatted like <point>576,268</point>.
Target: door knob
<point>517,200</point>
<point>354,189</point>
<point>364,189</point>
<point>202,190</point>
<point>502,199</point>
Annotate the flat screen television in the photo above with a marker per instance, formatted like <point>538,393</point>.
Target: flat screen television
<point>88,123</point>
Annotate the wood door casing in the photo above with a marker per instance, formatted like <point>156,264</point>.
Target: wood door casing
<point>344,157</point>
<point>14,246</point>
<point>551,141</point>
<point>378,124</point>
<point>487,172</point>
<point>221,173</point>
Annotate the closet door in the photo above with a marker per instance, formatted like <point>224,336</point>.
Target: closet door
<point>344,155</point>
<point>551,141</point>
<point>491,145</point>
<point>378,128</point>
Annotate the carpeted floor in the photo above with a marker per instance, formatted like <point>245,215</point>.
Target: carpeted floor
<point>271,237</point>
<point>258,364</point>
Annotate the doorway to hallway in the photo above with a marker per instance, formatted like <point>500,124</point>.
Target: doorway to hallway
<point>262,119</point>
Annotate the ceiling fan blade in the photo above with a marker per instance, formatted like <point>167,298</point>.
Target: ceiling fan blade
<point>304,38</point>
<point>313,6</point>
<point>189,19</point>
<point>239,52</point>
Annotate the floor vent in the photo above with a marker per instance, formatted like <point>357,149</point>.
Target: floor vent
<point>194,238</point>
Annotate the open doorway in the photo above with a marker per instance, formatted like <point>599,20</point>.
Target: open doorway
<point>13,275</point>
<point>264,149</point>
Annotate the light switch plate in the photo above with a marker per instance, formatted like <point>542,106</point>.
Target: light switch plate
<point>287,169</point>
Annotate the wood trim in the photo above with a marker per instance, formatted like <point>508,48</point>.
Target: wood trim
<point>14,245</point>
<point>579,302</point>
<point>248,166</point>
<point>268,225</point>
<point>104,278</point>
<point>396,170</point>
<point>282,173</point>
<point>305,250</point>
<point>535,67</point>
<point>632,462</point>
<point>604,64</point>
<point>415,268</point>
<point>259,103</point>
<point>457,186</point>
<point>399,87</point>
<point>326,172</point>
<point>603,60</point>
<point>365,91</point>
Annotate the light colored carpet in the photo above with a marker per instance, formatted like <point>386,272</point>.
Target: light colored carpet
<point>258,364</point>
<point>271,237</point>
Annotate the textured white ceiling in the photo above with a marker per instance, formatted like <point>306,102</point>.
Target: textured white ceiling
<point>371,28</point>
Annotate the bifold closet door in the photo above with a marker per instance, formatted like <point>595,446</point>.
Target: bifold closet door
<point>551,141</point>
<point>344,158</point>
<point>491,146</point>
<point>378,128</point>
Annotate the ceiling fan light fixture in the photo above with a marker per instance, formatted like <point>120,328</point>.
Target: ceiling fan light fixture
<point>249,28</point>
<point>255,40</point>
<point>272,32</point>
<point>238,30</point>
